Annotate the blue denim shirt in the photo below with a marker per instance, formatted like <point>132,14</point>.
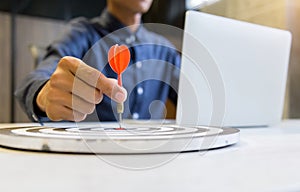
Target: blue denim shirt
<point>150,79</point>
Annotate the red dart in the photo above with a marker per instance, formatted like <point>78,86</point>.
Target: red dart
<point>119,58</point>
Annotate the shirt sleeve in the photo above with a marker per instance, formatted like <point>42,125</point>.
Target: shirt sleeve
<point>75,42</point>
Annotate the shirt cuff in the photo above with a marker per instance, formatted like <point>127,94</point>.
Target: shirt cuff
<point>33,110</point>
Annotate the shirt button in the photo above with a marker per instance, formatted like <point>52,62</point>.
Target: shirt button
<point>130,39</point>
<point>140,90</point>
<point>135,115</point>
<point>139,64</point>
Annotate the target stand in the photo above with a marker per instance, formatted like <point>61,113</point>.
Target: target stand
<point>108,138</point>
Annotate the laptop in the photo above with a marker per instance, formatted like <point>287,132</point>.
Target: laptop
<point>233,73</point>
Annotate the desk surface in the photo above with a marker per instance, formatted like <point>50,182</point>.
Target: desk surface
<point>265,159</point>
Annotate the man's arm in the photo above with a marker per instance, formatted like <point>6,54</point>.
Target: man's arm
<point>75,42</point>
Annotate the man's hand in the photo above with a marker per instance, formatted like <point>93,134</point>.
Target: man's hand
<point>74,89</point>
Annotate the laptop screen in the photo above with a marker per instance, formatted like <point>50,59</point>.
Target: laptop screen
<point>233,73</point>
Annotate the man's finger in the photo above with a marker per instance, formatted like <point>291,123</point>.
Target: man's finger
<point>59,112</point>
<point>80,70</point>
<point>111,88</point>
<point>95,78</point>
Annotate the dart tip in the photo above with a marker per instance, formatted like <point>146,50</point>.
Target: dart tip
<point>120,122</point>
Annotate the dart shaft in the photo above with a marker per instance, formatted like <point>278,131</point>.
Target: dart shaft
<point>120,79</point>
<point>120,121</point>
<point>120,110</point>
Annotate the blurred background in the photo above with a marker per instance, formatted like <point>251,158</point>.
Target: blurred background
<point>28,26</point>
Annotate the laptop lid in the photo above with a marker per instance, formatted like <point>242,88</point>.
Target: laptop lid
<point>233,73</point>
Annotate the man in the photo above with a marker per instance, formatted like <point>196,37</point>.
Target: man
<point>74,79</point>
